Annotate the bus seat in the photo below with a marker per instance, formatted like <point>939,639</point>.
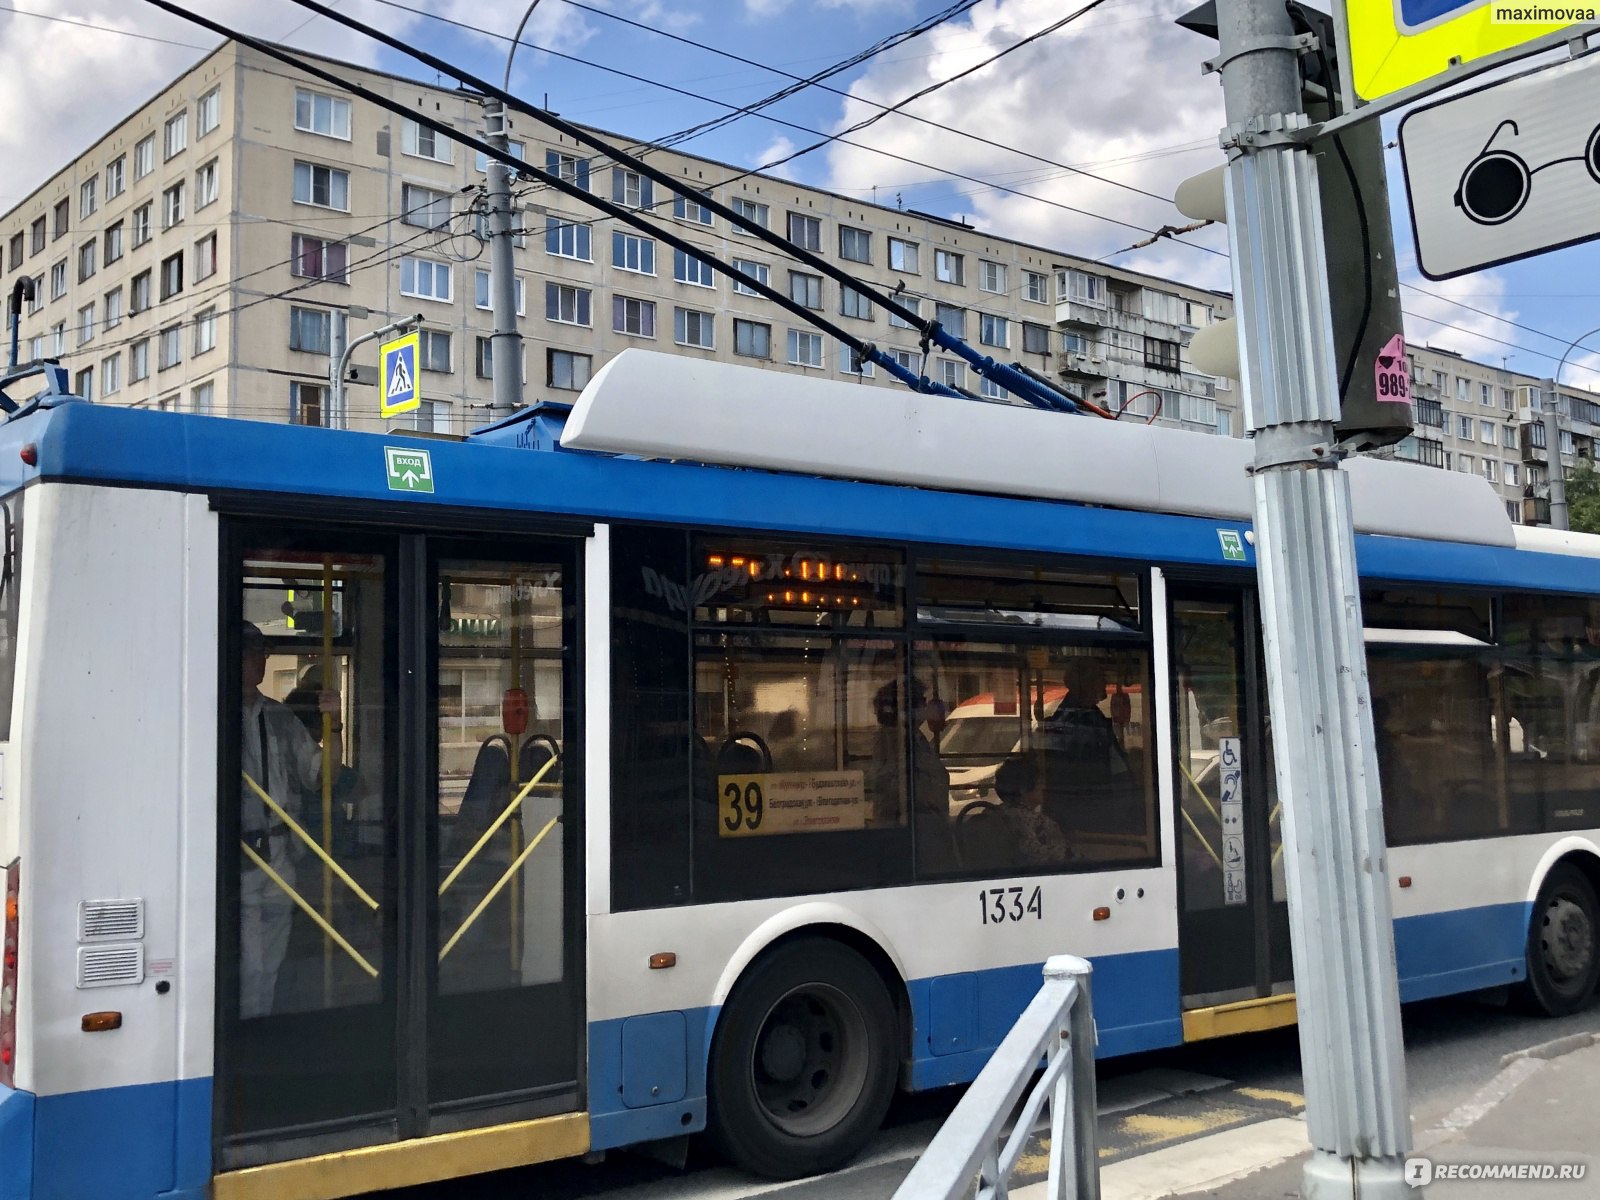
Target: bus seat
<point>486,792</point>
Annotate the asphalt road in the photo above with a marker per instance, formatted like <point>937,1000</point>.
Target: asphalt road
<point>1452,1048</point>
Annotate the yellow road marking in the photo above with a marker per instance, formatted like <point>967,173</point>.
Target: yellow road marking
<point>1293,1099</point>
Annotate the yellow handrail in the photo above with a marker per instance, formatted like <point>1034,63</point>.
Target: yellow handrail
<point>310,911</point>
<point>305,837</point>
<point>1202,837</point>
<point>494,827</point>
<point>499,883</point>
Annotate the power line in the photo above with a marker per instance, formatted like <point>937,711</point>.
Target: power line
<point>143,37</point>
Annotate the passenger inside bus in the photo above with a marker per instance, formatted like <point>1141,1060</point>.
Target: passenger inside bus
<point>1036,839</point>
<point>930,780</point>
<point>280,758</point>
<point>1089,784</point>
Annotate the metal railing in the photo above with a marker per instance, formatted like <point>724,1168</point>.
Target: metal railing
<point>1057,1026</point>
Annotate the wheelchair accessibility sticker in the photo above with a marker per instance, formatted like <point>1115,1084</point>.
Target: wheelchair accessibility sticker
<point>1506,171</point>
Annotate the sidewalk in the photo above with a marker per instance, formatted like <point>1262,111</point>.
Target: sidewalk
<point>1542,1107</point>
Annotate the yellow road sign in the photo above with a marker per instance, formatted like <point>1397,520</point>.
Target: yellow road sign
<point>398,391</point>
<point>1396,43</point>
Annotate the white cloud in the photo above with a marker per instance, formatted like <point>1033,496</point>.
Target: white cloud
<point>1096,91</point>
<point>779,147</point>
<point>1430,318</point>
<point>767,8</point>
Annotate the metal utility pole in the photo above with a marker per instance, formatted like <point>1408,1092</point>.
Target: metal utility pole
<point>338,335</point>
<point>1338,873</point>
<point>506,345</point>
<point>1552,451</point>
<point>341,348</point>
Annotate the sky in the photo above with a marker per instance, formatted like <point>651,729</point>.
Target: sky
<point>1074,138</point>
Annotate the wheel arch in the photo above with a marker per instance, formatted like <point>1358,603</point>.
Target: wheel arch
<point>1580,852</point>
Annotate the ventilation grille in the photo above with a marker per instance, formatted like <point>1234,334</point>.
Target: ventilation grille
<point>110,920</point>
<point>108,966</point>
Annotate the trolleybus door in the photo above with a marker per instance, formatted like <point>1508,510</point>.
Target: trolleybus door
<point>1233,929</point>
<point>397,944</point>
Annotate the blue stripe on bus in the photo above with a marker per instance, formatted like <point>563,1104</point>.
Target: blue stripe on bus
<point>147,1140</point>
<point>1440,954</point>
<point>85,442</point>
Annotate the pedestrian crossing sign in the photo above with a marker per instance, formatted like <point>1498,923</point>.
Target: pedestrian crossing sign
<point>397,380</point>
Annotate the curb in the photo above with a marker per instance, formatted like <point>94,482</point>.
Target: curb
<point>1554,1048</point>
<point>1515,1069</point>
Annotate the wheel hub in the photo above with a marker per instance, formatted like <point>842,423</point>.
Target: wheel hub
<point>1568,939</point>
<point>809,1065</point>
<point>783,1053</point>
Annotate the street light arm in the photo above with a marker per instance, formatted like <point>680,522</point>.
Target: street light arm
<point>401,326</point>
<point>516,40</point>
<point>1564,357</point>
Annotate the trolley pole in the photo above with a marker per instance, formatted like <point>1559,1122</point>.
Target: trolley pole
<point>506,345</point>
<point>1552,450</point>
<point>1338,872</point>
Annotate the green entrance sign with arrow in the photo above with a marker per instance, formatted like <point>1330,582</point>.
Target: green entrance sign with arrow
<point>409,470</point>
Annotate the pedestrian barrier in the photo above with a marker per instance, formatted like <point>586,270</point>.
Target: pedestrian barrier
<point>1057,1026</point>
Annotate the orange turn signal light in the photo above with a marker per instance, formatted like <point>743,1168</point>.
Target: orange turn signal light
<point>99,1022</point>
<point>1405,881</point>
<point>1102,913</point>
<point>660,962</point>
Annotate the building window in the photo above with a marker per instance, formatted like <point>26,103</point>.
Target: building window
<point>37,303</point>
<point>58,338</point>
<point>205,185</point>
<point>752,270</point>
<point>139,293</point>
<point>321,186</point>
<point>1486,394</point>
<point>991,276</point>
<point>949,267</point>
<point>316,258</point>
<point>567,239</point>
<point>912,305</point>
<point>205,331</point>
<point>854,304</point>
<point>855,245</point>
<point>420,141</point>
<point>310,329</point>
<point>805,232</point>
<point>482,287</point>
<point>15,254</point>
<point>631,189</point>
<point>480,160</point>
<point>208,112</point>
<point>805,289</point>
<point>83,383</point>
<point>61,219</point>
<point>1464,428</point>
<point>567,167</point>
<point>631,253</point>
<point>139,361</point>
<point>1491,470</point>
<point>484,355</point>
<point>1508,400</point>
<point>953,319</point>
<point>425,279</point>
<point>637,317</point>
<point>568,305</point>
<point>691,327</point>
<point>424,207</point>
<point>1035,338</point>
<point>58,280</point>
<point>757,214</point>
<point>315,112</point>
<point>1486,432</point>
<point>169,347</point>
<point>1513,474</point>
<point>86,197</point>
<point>141,225</point>
<point>113,308</point>
<point>86,326</point>
<point>37,231</point>
<point>144,157</point>
<point>686,268</point>
<point>1081,288</point>
<point>88,253</point>
<point>111,375</point>
<point>1508,437</point>
<point>952,374</point>
<point>308,403</point>
<point>567,371</point>
<point>175,136</point>
<point>202,397</point>
<point>113,243</point>
<point>171,275</point>
<point>903,256</point>
<point>908,361</point>
<point>1465,463</point>
<point>433,351</point>
<point>688,206</point>
<point>752,339</point>
<point>1160,355</point>
<point>1035,287</point>
<point>990,390</point>
<point>205,257</point>
<point>851,362</point>
<point>805,349</point>
<point>116,176</point>
<point>172,206</point>
<point>994,331</point>
<point>1462,385</point>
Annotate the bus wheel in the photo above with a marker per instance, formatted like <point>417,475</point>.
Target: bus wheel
<point>804,1061</point>
<point>1563,945</point>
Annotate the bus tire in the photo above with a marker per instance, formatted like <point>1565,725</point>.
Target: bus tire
<point>1563,945</point>
<point>804,1061</point>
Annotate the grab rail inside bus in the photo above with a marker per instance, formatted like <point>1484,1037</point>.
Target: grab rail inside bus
<point>299,832</point>
<point>499,883</point>
<point>494,826</point>
<point>306,907</point>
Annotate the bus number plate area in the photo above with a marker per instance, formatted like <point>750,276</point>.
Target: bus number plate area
<point>1002,904</point>
<point>791,802</point>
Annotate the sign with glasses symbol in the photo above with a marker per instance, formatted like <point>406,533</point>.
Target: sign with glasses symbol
<point>1506,171</point>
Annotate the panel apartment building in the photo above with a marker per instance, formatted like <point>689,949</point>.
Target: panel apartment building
<point>208,252</point>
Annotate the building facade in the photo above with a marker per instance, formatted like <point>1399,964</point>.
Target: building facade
<point>215,248</point>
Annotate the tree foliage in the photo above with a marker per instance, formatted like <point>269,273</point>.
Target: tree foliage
<point>1583,498</point>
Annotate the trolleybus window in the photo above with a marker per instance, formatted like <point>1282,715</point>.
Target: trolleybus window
<point>10,573</point>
